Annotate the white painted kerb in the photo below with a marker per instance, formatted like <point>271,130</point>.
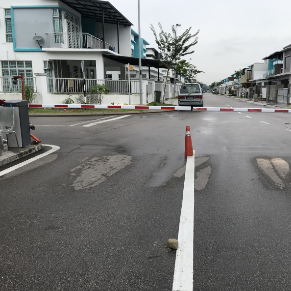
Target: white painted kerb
<point>13,168</point>
<point>183,273</point>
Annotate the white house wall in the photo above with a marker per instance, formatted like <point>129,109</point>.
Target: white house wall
<point>111,37</point>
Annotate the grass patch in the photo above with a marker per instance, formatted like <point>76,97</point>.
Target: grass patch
<point>159,104</point>
<point>74,110</point>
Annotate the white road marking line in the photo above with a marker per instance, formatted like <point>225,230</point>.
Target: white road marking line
<point>91,120</point>
<point>13,168</point>
<point>98,122</point>
<point>183,273</point>
<point>265,122</point>
<point>248,116</point>
<point>239,112</point>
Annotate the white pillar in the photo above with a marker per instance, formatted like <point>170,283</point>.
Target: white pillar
<point>100,67</point>
<point>42,88</point>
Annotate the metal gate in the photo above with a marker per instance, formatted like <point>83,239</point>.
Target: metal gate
<point>282,95</point>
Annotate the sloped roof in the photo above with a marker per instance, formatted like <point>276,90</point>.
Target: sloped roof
<point>93,9</point>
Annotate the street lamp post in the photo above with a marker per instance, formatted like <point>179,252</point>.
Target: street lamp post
<point>175,67</point>
<point>139,55</point>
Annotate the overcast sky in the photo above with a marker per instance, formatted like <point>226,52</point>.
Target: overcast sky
<point>233,34</point>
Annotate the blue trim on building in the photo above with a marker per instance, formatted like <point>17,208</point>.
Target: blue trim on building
<point>133,32</point>
<point>28,50</point>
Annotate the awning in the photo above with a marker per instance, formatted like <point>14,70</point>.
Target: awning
<point>276,55</point>
<point>135,61</point>
<point>93,9</point>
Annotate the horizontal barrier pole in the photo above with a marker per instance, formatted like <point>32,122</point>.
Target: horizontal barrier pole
<point>140,107</point>
<point>94,106</point>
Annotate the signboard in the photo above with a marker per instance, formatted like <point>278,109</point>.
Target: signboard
<point>131,67</point>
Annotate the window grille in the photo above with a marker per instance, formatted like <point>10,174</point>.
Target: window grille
<point>8,25</point>
<point>73,30</point>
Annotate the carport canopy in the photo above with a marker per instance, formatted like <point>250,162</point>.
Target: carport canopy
<point>135,61</point>
<point>99,10</point>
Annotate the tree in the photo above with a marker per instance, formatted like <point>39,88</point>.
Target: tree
<point>238,74</point>
<point>213,85</point>
<point>187,70</point>
<point>173,48</point>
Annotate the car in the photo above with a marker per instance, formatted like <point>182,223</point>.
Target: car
<point>190,95</point>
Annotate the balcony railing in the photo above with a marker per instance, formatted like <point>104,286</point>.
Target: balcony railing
<point>75,40</point>
<point>270,72</point>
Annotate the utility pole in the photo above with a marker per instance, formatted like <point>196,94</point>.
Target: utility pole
<point>139,55</point>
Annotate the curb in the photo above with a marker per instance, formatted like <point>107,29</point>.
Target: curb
<point>11,156</point>
<point>96,113</point>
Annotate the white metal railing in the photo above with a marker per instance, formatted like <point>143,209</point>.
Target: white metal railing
<point>74,85</point>
<point>6,85</point>
<point>270,72</point>
<point>75,40</point>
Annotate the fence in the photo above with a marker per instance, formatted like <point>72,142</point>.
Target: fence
<point>6,85</point>
<point>282,95</point>
<point>74,85</point>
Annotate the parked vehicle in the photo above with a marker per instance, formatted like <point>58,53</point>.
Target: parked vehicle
<point>191,95</point>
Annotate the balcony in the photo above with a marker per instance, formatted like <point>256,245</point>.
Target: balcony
<point>75,41</point>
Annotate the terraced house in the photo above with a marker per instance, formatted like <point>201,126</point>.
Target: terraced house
<point>46,40</point>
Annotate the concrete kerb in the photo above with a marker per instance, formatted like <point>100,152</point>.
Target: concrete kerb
<point>10,156</point>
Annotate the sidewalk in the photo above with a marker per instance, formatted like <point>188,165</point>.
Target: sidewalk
<point>261,103</point>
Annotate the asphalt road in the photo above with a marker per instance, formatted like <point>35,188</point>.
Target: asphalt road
<point>97,213</point>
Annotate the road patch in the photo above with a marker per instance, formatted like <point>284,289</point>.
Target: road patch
<point>96,170</point>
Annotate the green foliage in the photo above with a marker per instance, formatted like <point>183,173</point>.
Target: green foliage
<point>173,48</point>
<point>230,91</point>
<point>187,70</point>
<point>213,85</point>
<point>29,93</point>
<point>238,74</point>
<point>68,101</point>
<point>94,96</point>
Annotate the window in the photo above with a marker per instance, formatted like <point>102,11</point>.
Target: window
<point>191,88</point>
<point>109,76</point>
<point>287,63</point>
<point>16,68</point>
<point>58,26</point>
<point>8,25</point>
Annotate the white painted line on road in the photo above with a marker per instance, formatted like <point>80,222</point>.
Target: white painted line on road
<point>50,125</point>
<point>183,273</point>
<point>248,116</point>
<point>102,121</point>
<point>265,122</point>
<point>239,112</point>
<point>20,165</point>
<point>91,120</point>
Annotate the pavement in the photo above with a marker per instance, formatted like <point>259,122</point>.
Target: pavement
<point>97,213</point>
